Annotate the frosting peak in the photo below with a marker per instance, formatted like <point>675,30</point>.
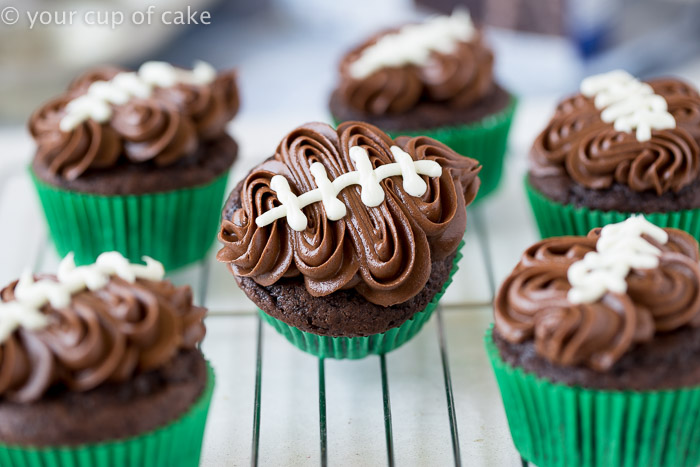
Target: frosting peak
<point>373,232</point>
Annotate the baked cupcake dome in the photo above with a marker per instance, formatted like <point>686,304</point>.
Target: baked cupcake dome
<point>430,79</point>
<point>99,365</point>
<point>357,266</point>
<point>591,165</point>
<point>595,348</point>
<point>121,152</point>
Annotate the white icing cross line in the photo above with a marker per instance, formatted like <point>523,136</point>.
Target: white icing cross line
<point>31,296</point>
<point>413,43</point>
<point>620,248</point>
<point>372,193</point>
<point>628,103</point>
<point>95,104</point>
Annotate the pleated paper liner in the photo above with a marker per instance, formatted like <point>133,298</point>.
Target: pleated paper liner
<point>175,227</point>
<point>177,444</point>
<point>556,219</point>
<point>557,425</point>
<point>484,141</point>
<point>360,347</point>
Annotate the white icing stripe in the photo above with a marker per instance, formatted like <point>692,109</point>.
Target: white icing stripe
<point>95,104</point>
<point>629,103</point>
<point>371,191</point>
<point>31,296</point>
<point>620,248</point>
<point>412,44</point>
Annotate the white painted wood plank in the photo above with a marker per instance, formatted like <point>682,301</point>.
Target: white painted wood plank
<point>418,403</point>
<point>483,429</point>
<point>289,417</point>
<point>223,294</point>
<point>22,227</point>
<point>355,413</point>
<point>470,285</point>
<point>17,148</point>
<point>230,347</point>
<point>510,226</point>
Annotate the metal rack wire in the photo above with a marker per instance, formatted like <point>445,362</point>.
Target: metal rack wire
<point>386,397</point>
<point>386,394</point>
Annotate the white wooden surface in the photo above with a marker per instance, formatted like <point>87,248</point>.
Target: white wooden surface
<point>499,229</point>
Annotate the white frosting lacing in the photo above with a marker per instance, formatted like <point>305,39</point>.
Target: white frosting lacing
<point>629,103</point>
<point>366,176</point>
<point>413,43</point>
<point>96,103</point>
<point>31,295</point>
<point>620,248</point>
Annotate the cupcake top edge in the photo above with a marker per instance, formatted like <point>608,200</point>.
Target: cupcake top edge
<point>92,325</point>
<point>110,115</point>
<point>349,209</point>
<point>443,60</point>
<point>588,300</point>
<point>618,129</point>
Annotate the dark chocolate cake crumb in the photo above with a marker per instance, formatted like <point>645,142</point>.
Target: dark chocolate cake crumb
<point>669,361</point>
<point>213,158</point>
<point>426,115</point>
<point>110,412</point>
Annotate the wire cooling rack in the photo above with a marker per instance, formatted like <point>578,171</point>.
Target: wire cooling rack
<point>433,401</point>
<point>448,402</point>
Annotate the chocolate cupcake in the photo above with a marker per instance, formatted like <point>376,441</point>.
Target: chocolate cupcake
<point>136,162</point>
<point>346,239</point>
<point>99,366</point>
<point>430,79</point>
<point>620,147</point>
<point>596,348</point>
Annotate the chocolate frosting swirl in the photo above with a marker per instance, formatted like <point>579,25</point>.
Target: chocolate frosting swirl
<point>163,128</point>
<point>209,107</point>
<point>154,130</point>
<point>532,303</point>
<point>457,79</point>
<point>385,252</point>
<point>103,336</point>
<point>90,144</point>
<point>579,144</point>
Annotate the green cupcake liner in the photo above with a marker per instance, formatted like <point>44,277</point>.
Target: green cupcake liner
<point>175,227</point>
<point>360,347</point>
<point>556,219</point>
<point>177,444</point>
<point>484,141</point>
<point>557,425</point>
